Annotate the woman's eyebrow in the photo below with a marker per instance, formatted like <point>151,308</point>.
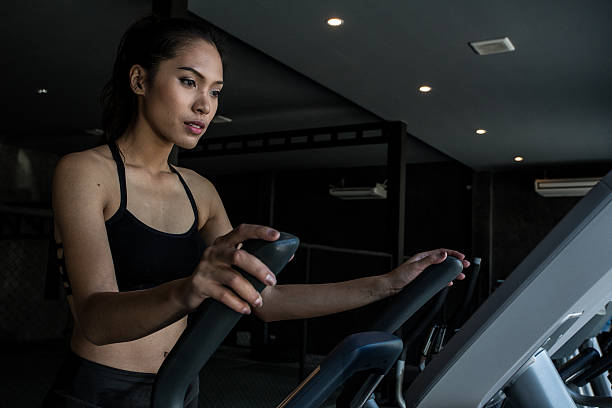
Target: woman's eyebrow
<point>197,73</point>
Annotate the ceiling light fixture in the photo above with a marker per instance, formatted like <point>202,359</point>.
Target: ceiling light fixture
<point>425,89</point>
<point>335,21</point>
<point>42,91</point>
<point>518,159</point>
<point>481,131</point>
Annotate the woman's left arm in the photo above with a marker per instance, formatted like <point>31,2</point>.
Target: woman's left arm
<point>283,302</point>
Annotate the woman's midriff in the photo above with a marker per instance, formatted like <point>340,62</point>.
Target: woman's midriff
<point>144,355</point>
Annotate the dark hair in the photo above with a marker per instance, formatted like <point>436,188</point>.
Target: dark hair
<point>147,42</point>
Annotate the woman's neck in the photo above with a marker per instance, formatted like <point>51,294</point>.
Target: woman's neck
<point>141,147</point>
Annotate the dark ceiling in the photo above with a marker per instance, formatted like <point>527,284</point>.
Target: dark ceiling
<point>548,101</point>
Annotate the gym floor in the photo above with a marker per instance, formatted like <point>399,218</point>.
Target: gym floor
<point>230,378</point>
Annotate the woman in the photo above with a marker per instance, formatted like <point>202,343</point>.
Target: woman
<point>144,243</point>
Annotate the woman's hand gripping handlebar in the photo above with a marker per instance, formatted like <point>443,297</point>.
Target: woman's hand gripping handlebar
<point>217,275</point>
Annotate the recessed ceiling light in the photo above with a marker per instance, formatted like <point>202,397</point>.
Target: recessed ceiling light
<point>425,89</point>
<point>481,131</point>
<point>518,159</point>
<point>335,21</point>
<point>42,91</point>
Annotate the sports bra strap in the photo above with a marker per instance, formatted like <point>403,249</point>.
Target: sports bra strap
<point>121,171</point>
<point>189,195</point>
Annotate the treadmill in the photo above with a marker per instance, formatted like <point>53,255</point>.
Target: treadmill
<point>502,353</point>
<point>500,356</point>
<point>364,358</point>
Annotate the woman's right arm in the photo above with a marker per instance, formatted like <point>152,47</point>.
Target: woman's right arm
<point>106,315</point>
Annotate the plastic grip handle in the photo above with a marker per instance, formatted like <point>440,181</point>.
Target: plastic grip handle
<point>400,308</point>
<point>275,254</point>
<point>414,295</point>
<point>210,324</point>
<point>372,352</point>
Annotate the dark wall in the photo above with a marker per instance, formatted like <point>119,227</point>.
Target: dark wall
<point>510,218</point>
<point>303,206</point>
<point>29,310</point>
<point>521,218</point>
<point>25,175</point>
<point>493,215</point>
<point>438,207</point>
<point>438,215</point>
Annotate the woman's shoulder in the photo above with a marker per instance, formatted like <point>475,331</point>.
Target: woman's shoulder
<point>196,181</point>
<point>204,192</point>
<point>95,163</point>
<point>94,158</point>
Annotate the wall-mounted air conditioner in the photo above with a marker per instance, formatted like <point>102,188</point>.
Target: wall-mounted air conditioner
<point>378,192</point>
<point>574,187</point>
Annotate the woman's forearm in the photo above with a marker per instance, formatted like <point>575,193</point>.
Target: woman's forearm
<point>114,317</point>
<point>284,302</point>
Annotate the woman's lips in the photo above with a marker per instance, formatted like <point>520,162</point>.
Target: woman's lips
<point>195,128</point>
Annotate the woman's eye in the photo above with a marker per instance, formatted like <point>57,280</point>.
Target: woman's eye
<point>215,93</point>
<point>189,82</point>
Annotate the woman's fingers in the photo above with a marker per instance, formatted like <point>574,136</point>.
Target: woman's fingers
<point>225,283</point>
<point>241,287</point>
<point>247,262</point>
<point>229,298</point>
<point>439,256</point>
<point>459,256</point>
<point>450,252</point>
<point>459,277</point>
<point>245,232</point>
<point>219,266</point>
<point>434,257</point>
<point>418,257</point>
<point>454,253</point>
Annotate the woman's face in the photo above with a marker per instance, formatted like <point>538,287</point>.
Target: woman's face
<point>183,97</point>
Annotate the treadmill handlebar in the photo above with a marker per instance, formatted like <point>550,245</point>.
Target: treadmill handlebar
<point>399,309</point>
<point>210,324</point>
<point>370,352</point>
<point>414,295</point>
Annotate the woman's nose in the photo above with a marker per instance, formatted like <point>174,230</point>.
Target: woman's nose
<point>202,105</point>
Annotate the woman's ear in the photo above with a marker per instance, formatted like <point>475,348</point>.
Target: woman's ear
<point>137,79</point>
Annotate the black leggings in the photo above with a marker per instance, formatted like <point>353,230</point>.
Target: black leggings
<point>82,383</point>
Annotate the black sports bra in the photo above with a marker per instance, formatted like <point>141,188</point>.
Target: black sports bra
<point>144,257</point>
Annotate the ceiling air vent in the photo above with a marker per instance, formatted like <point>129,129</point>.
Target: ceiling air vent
<point>378,192</point>
<point>576,187</point>
<point>496,46</point>
<point>221,119</point>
